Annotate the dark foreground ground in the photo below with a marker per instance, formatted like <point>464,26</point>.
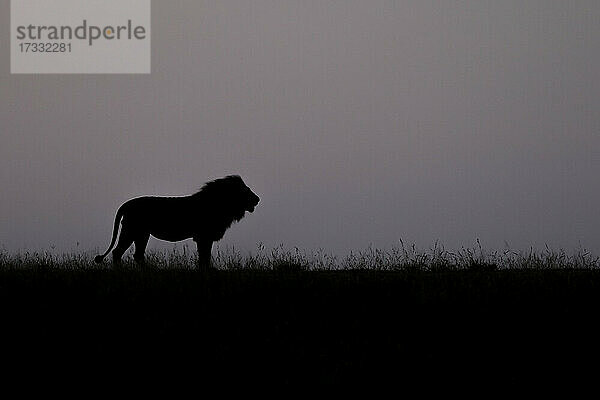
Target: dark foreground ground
<point>493,329</point>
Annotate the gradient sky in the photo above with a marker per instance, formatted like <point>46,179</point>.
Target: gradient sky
<point>357,122</point>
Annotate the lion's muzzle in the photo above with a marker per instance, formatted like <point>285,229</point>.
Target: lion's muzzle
<point>253,202</point>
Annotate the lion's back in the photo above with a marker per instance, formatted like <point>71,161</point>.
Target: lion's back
<point>155,208</point>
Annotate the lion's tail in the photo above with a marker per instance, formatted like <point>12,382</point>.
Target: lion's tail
<point>99,258</point>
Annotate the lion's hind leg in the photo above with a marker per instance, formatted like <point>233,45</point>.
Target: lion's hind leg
<point>141,241</point>
<point>125,241</point>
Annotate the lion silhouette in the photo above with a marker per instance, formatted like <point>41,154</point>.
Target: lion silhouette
<point>203,216</point>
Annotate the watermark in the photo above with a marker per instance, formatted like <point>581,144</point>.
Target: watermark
<point>80,36</point>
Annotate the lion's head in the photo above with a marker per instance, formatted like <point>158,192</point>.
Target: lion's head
<point>229,196</point>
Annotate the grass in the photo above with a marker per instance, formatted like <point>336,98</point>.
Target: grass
<point>402,258</point>
<point>398,317</point>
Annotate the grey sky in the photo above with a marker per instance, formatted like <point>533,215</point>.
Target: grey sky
<point>357,122</point>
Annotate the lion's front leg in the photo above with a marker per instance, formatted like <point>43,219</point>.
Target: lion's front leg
<point>204,254</point>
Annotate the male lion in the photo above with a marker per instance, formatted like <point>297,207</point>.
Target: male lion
<point>203,217</point>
